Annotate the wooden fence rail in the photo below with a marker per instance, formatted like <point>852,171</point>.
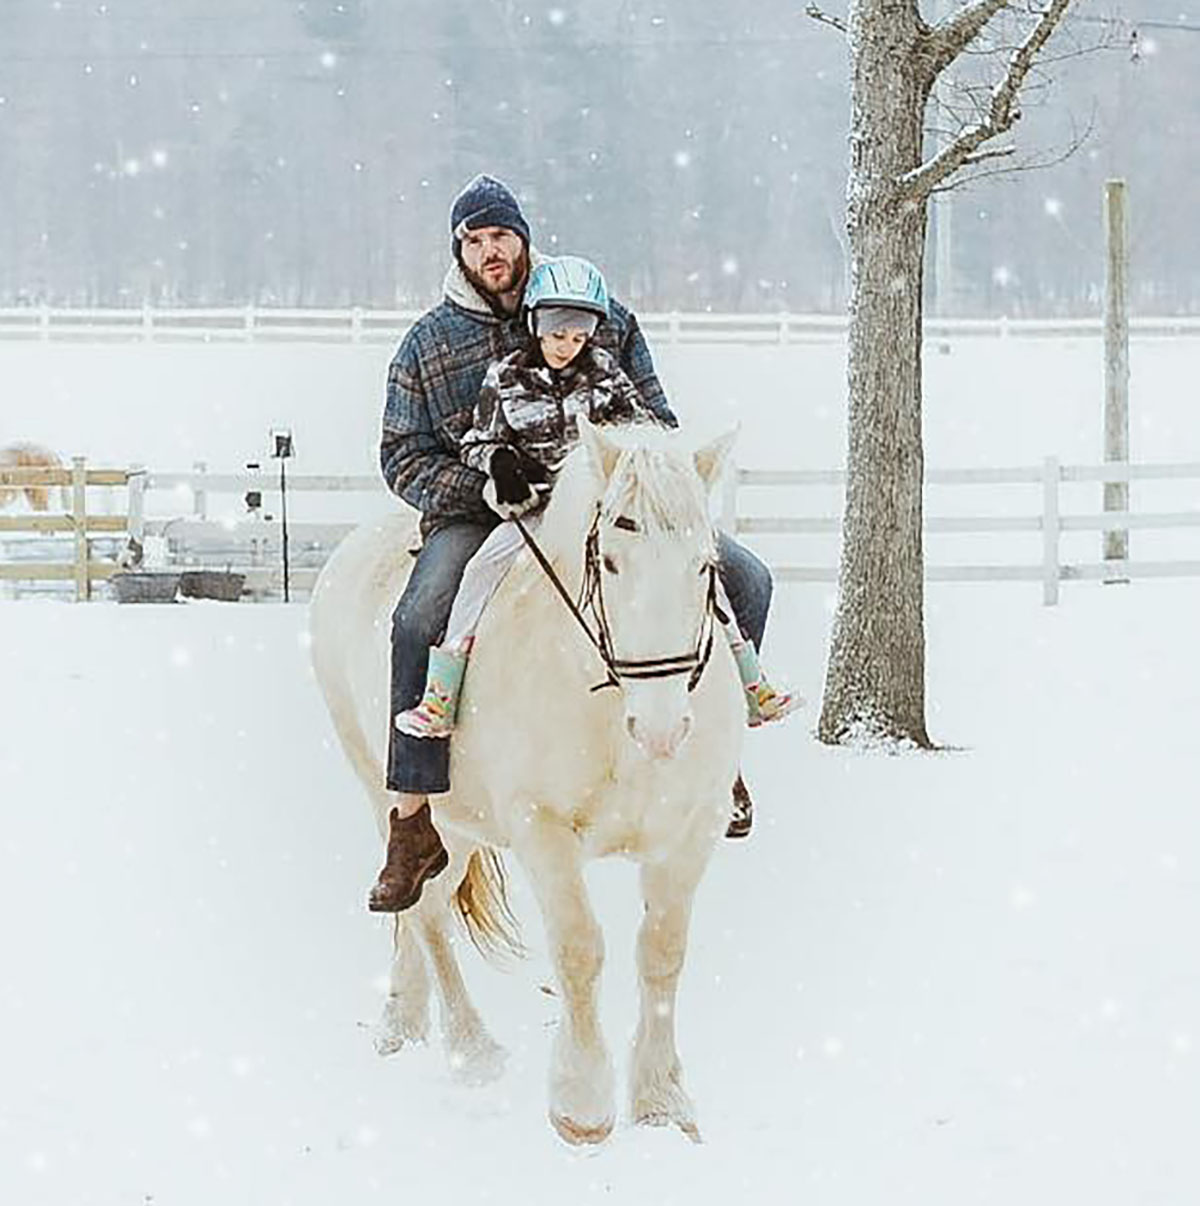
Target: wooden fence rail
<point>267,325</point>
<point>252,544</point>
<point>1049,520</point>
<point>82,567</point>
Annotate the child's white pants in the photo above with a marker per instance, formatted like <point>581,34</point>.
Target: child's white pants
<point>484,572</point>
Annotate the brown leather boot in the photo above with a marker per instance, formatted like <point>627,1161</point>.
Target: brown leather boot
<point>414,854</point>
<point>742,818</point>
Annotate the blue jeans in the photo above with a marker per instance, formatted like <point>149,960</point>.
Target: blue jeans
<point>422,766</point>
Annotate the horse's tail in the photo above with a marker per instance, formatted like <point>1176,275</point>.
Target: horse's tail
<point>482,900</point>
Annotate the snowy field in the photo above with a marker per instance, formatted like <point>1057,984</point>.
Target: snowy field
<point>960,978</point>
<point>939,980</point>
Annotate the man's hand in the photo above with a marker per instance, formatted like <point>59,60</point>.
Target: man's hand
<point>511,478</point>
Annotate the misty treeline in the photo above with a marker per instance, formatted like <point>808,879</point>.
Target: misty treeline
<point>279,152</point>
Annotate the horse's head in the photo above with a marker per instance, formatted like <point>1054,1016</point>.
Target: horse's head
<point>651,558</point>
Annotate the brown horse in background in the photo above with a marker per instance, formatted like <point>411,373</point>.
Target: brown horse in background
<point>28,456</point>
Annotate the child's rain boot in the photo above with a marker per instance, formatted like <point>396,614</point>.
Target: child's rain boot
<point>764,703</point>
<point>434,715</point>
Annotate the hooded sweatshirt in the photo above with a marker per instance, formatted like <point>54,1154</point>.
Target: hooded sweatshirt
<point>434,384</point>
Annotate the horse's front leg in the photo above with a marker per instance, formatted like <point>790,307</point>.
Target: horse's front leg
<point>657,1094</point>
<point>582,1107</point>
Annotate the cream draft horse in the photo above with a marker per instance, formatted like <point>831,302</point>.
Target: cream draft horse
<point>30,456</point>
<point>555,771</point>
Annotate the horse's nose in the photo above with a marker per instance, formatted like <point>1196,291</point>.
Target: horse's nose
<point>659,742</point>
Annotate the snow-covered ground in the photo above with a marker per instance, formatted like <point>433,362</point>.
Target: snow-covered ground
<point>961,978</point>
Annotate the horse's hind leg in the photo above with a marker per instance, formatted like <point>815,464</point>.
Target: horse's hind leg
<point>657,1094</point>
<point>475,1058</point>
<point>406,1012</point>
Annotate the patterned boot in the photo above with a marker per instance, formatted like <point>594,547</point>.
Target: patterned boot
<point>414,854</point>
<point>764,703</point>
<point>434,715</point>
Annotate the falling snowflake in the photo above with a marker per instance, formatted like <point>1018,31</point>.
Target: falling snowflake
<point>1053,207</point>
<point>556,16</point>
<point>159,157</point>
<point>682,159</point>
<point>329,60</point>
<point>1002,276</point>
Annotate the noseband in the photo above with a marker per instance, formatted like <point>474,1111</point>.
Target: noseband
<point>591,600</point>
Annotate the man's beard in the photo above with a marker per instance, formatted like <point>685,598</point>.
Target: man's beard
<point>512,283</point>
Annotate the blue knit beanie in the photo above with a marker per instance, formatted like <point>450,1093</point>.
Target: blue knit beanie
<point>486,202</point>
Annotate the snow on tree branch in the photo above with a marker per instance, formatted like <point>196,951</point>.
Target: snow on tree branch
<point>1002,112</point>
<point>949,38</point>
<point>819,14</point>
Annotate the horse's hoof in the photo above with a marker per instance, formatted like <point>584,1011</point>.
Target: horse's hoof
<point>576,1134</point>
<point>478,1065</point>
<point>389,1040</point>
<point>400,1028</point>
<point>661,1118</point>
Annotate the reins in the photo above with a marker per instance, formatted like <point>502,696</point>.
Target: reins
<point>591,597</point>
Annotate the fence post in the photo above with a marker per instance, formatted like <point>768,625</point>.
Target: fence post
<point>729,492</point>
<point>1050,530</point>
<point>199,494</point>
<point>79,514</point>
<point>135,518</point>
<point>1116,370</point>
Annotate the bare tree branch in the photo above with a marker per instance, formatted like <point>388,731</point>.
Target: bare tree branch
<point>989,153</point>
<point>1032,164</point>
<point>1001,115</point>
<point>950,37</point>
<point>819,14</point>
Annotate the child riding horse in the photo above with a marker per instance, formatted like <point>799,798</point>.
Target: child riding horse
<point>525,424</point>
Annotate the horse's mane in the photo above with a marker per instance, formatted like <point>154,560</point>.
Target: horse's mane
<point>653,483</point>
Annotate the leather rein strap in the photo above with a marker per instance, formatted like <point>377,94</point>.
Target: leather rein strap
<point>592,599</point>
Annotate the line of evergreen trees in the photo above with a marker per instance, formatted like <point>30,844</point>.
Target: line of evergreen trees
<point>305,152</point>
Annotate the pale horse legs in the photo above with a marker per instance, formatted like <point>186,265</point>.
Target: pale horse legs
<point>582,1106</point>
<point>657,1095</point>
<point>425,932</point>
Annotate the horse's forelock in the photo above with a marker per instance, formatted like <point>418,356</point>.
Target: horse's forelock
<point>654,484</point>
<point>658,490</point>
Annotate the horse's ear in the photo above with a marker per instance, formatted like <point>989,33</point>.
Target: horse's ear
<point>710,460</point>
<point>601,451</point>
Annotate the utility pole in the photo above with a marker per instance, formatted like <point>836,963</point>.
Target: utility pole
<point>1116,367</point>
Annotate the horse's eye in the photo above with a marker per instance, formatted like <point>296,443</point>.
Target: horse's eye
<point>610,565</point>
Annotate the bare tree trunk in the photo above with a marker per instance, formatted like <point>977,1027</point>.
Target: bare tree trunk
<point>875,682</point>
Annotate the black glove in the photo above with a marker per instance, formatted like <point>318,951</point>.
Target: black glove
<point>513,476</point>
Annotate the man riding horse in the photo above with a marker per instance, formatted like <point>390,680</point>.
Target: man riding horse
<point>433,386</point>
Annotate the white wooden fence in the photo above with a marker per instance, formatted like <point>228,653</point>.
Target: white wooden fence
<point>191,538</point>
<point>1049,520</point>
<point>255,325</point>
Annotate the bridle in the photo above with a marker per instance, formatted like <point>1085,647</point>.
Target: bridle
<point>591,600</point>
